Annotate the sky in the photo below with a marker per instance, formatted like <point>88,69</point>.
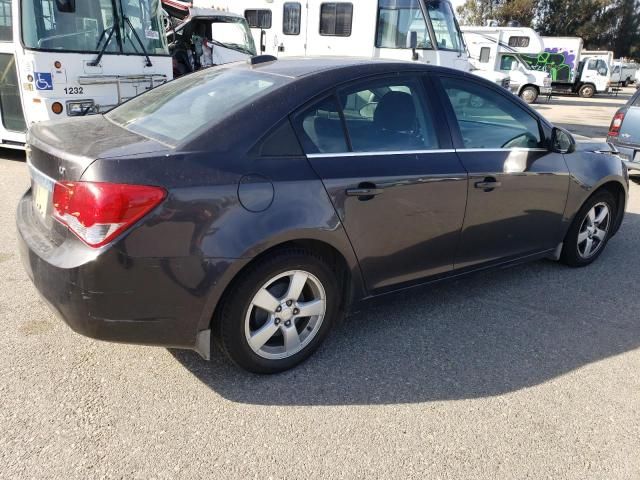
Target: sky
<point>456,3</point>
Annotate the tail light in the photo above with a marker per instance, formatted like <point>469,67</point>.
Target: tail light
<point>99,212</point>
<point>616,124</point>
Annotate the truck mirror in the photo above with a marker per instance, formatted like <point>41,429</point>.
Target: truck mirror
<point>66,6</point>
<point>413,44</point>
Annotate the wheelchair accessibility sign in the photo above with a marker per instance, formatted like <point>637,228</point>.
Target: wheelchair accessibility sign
<point>43,81</point>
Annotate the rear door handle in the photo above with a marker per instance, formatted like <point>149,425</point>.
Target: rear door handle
<point>489,184</point>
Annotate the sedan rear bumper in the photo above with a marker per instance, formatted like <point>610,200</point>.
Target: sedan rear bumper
<point>107,295</point>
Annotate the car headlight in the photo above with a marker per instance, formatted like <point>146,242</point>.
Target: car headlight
<point>79,108</point>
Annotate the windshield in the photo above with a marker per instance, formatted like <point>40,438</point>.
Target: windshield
<point>445,27</point>
<point>175,111</point>
<point>233,33</point>
<point>85,25</point>
<point>396,20</point>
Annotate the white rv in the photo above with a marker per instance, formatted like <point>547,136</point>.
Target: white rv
<point>500,49</point>
<point>419,30</point>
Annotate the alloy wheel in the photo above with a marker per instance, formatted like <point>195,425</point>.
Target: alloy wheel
<point>594,230</point>
<point>285,315</point>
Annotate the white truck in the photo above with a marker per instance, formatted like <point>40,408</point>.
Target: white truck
<point>66,58</point>
<point>624,73</point>
<point>572,69</point>
<point>500,49</point>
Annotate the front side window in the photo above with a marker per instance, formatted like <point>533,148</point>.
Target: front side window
<point>507,62</point>
<point>261,19</point>
<point>489,120</point>
<point>84,26</point>
<point>336,19</point>
<point>396,20</point>
<point>519,42</point>
<point>448,35</point>
<point>387,115</point>
<point>6,21</point>
<point>175,111</point>
<point>291,19</point>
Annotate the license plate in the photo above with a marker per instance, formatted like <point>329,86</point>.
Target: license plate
<point>40,199</point>
<point>637,157</point>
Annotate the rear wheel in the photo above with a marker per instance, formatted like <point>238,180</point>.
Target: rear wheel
<point>279,312</point>
<point>590,230</point>
<point>587,91</point>
<point>529,94</point>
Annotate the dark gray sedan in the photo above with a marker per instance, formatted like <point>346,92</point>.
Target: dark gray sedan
<point>624,133</point>
<point>250,205</point>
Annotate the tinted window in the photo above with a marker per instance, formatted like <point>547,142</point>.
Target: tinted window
<point>485,54</point>
<point>291,19</point>
<point>336,19</point>
<point>519,42</point>
<point>259,18</point>
<point>320,128</point>
<point>396,20</point>
<point>387,115</point>
<point>506,62</point>
<point>488,119</point>
<point>173,112</point>
<point>6,24</point>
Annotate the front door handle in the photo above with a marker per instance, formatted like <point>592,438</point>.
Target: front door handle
<point>365,191</point>
<point>488,185</point>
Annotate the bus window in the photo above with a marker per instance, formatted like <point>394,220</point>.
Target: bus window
<point>448,34</point>
<point>396,20</point>
<point>6,24</point>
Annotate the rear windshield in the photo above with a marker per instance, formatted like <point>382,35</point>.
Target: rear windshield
<point>179,109</point>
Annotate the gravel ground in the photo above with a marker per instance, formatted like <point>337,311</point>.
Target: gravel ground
<point>530,372</point>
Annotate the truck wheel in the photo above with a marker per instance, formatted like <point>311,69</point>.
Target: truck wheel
<point>529,94</point>
<point>587,91</point>
<point>626,83</point>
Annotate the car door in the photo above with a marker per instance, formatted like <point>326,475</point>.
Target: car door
<point>517,187</point>
<point>388,167</point>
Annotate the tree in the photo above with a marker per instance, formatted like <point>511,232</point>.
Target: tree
<point>478,12</point>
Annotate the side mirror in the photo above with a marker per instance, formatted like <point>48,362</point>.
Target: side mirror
<point>562,141</point>
<point>413,44</point>
<point>66,6</point>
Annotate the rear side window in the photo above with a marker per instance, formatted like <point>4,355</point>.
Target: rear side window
<point>388,115</point>
<point>336,19</point>
<point>173,112</point>
<point>485,54</point>
<point>320,128</point>
<point>488,120</point>
<point>291,18</point>
<point>259,18</point>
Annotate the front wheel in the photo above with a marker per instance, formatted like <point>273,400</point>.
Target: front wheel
<point>279,312</point>
<point>529,95</point>
<point>587,91</point>
<point>590,230</point>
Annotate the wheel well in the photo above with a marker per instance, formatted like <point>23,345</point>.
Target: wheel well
<point>328,253</point>
<point>619,194</point>
<point>532,86</point>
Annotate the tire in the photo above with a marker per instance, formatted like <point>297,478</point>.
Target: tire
<point>529,94</point>
<point>581,233</point>
<point>268,283</point>
<point>626,83</point>
<point>587,91</point>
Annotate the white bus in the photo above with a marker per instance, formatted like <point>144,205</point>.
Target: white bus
<point>64,58</point>
<point>422,30</point>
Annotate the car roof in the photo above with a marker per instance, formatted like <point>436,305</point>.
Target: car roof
<point>297,67</point>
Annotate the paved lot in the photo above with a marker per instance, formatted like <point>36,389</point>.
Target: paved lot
<point>587,117</point>
<point>530,372</point>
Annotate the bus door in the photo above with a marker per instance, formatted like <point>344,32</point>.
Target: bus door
<point>12,122</point>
